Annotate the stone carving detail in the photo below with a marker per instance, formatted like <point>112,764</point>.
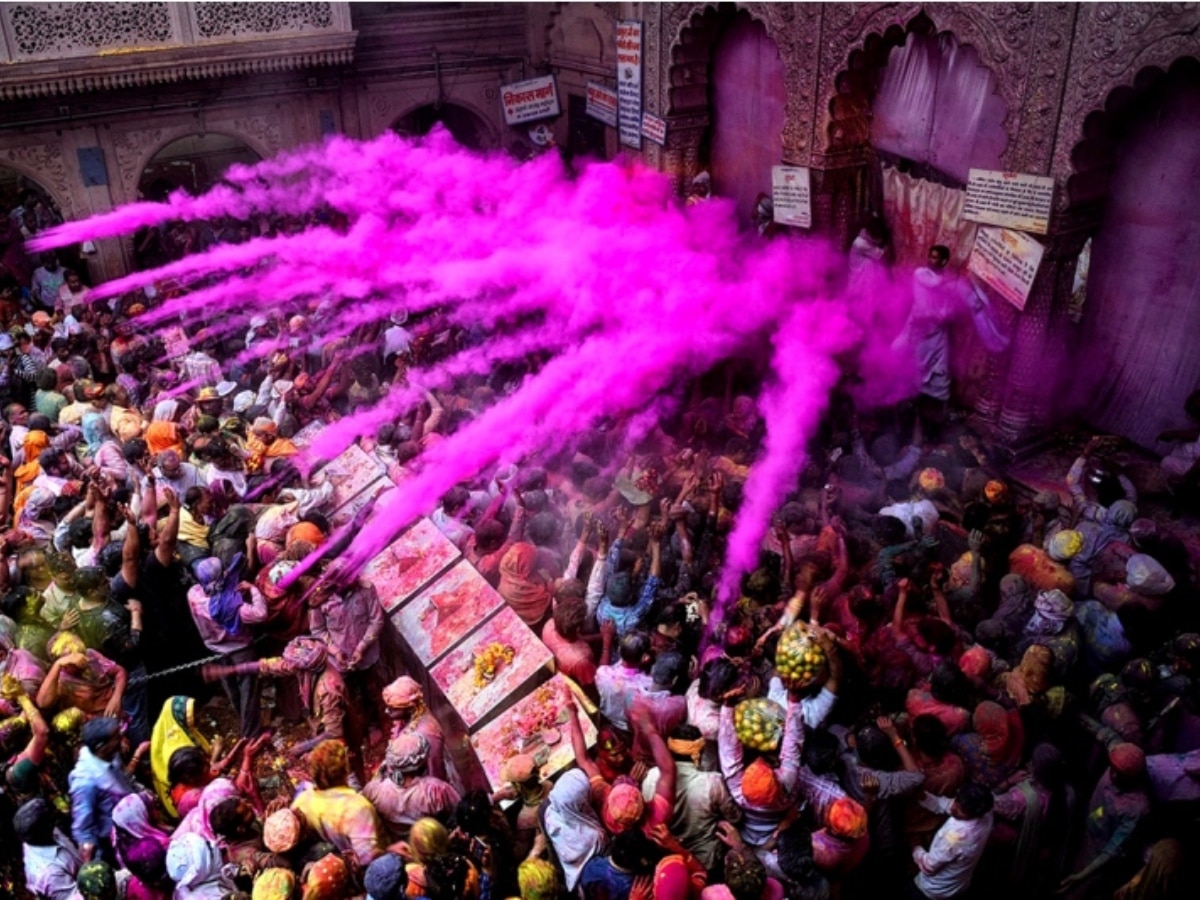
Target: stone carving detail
<point>1048,59</point>
<point>131,149</point>
<point>261,132</point>
<point>216,20</point>
<point>70,29</point>
<point>44,163</point>
<point>1113,42</point>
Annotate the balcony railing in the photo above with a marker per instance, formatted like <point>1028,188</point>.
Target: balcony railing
<point>58,48</point>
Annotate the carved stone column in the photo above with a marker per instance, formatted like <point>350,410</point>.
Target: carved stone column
<point>681,155</point>
<point>1037,350</point>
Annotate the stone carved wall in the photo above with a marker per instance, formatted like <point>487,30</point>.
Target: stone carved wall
<point>71,29</point>
<point>236,20</point>
<point>44,164</point>
<point>1113,42</point>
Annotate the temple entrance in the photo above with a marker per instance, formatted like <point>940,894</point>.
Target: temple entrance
<point>749,96</point>
<point>194,163</point>
<point>464,126</point>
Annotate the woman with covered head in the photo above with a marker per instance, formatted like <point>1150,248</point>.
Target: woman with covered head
<point>404,704</point>
<point>196,867</point>
<point>1053,625</point>
<point>571,825</point>
<point>403,792</point>
<point>182,760</point>
<point>81,678</point>
<point>992,752</point>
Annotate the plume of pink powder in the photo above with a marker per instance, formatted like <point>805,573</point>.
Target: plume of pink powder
<point>626,293</point>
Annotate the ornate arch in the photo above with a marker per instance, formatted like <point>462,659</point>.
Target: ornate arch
<point>133,149</point>
<point>1113,43</point>
<point>1002,35</point>
<point>489,129</point>
<point>43,164</point>
<point>1091,156</point>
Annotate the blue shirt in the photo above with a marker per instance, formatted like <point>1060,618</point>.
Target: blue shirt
<point>96,787</point>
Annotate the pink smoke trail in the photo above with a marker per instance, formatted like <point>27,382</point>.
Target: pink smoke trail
<point>804,374</point>
<point>627,295</point>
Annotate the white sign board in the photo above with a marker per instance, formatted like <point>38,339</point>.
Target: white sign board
<point>654,129</point>
<point>629,83</point>
<point>602,103</point>
<point>1009,199</point>
<point>528,101</point>
<point>790,195</point>
<point>1007,262</point>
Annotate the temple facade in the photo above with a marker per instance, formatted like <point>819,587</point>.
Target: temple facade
<point>888,105</point>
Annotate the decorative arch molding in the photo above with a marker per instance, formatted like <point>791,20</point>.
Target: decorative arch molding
<point>133,149</point>
<point>1002,35</point>
<point>564,18</point>
<point>488,128</point>
<point>1091,156</point>
<point>690,32</point>
<point>1115,43</point>
<point>387,107</point>
<point>43,163</point>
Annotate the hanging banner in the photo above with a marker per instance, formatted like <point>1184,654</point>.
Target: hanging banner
<point>629,83</point>
<point>1009,199</point>
<point>602,103</point>
<point>654,129</point>
<point>528,101</point>
<point>1007,262</point>
<point>790,196</point>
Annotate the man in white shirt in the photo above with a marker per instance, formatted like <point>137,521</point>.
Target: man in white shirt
<point>947,866</point>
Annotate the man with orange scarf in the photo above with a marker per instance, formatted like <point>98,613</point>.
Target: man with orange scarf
<point>265,444</point>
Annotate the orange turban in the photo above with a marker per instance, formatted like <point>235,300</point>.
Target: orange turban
<point>931,479</point>
<point>847,819</point>
<point>305,531</point>
<point>760,786</point>
<point>995,491</point>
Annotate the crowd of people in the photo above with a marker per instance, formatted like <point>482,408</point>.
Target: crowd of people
<point>935,684</point>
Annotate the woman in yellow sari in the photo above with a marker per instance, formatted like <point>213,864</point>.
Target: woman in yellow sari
<point>174,730</point>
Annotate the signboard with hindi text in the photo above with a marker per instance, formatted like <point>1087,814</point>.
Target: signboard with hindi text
<point>528,101</point>
<point>1009,199</point>
<point>654,129</point>
<point>790,195</point>
<point>1007,262</point>
<point>629,83</point>
<point>602,103</point>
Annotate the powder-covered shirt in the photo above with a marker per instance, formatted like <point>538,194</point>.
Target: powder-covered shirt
<point>401,805</point>
<point>343,817</point>
<point>575,659</point>
<point>617,685</point>
<point>947,866</point>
